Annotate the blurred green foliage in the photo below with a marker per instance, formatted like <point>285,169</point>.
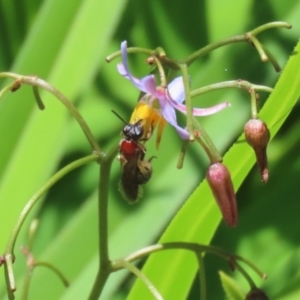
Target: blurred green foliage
<point>65,43</point>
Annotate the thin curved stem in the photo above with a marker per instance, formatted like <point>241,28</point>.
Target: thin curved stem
<point>213,157</point>
<point>252,266</point>
<point>29,273</point>
<point>194,247</point>
<point>183,150</point>
<point>246,275</point>
<point>270,25</point>
<point>116,54</point>
<point>258,47</point>
<point>272,59</point>
<point>239,84</point>
<point>202,277</point>
<point>9,252</point>
<point>206,142</point>
<point>235,39</point>
<point>205,50</point>
<point>38,99</point>
<point>61,276</point>
<point>175,65</point>
<point>37,82</point>
<point>6,89</point>
<point>141,276</point>
<point>161,72</point>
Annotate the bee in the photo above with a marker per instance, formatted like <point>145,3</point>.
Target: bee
<point>135,169</point>
<point>132,131</point>
<point>148,118</point>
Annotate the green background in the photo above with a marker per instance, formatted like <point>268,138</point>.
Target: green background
<point>65,43</point>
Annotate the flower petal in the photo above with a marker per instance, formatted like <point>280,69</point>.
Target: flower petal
<point>168,113</point>
<point>201,112</point>
<point>147,84</point>
<point>137,82</point>
<point>176,89</point>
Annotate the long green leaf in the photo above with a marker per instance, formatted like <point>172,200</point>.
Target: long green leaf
<point>197,220</point>
<point>230,287</point>
<point>76,60</point>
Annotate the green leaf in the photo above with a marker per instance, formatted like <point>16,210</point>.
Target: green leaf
<point>34,140</point>
<point>231,287</point>
<point>199,214</point>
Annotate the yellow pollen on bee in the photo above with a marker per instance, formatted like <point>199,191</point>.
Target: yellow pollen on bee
<point>150,118</point>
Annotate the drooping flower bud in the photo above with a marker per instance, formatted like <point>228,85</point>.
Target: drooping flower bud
<point>256,294</point>
<point>257,135</point>
<point>219,180</point>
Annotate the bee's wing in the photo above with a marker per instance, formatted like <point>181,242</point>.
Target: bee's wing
<point>129,180</point>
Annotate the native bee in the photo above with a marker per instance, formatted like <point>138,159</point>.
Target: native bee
<point>148,118</point>
<point>132,131</point>
<point>135,169</point>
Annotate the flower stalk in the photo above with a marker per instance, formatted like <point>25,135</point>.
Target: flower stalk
<point>198,250</point>
<point>40,83</point>
<point>104,268</point>
<point>9,252</point>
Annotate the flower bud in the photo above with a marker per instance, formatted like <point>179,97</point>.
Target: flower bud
<point>257,135</point>
<point>219,180</point>
<point>256,294</point>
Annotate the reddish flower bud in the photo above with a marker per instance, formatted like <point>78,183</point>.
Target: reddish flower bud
<point>219,180</point>
<point>257,135</point>
<point>256,294</point>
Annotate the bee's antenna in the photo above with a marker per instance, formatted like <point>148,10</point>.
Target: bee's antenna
<point>119,117</point>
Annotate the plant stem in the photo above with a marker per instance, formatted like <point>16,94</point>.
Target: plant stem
<point>105,268</point>
<point>162,75</point>
<point>258,47</point>
<point>184,147</point>
<point>239,84</point>
<point>194,247</point>
<point>38,99</point>
<point>253,104</point>
<point>245,274</point>
<point>205,50</point>
<point>272,59</point>
<point>270,25</point>
<point>130,50</point>
<point>9,252</point>
<point>147,282</point>
<point>202,277</point>
<point>207,144</point>
<point>251,265</point>
<point>238,38</point>
<point>37,82</point>
<point>53,269</point>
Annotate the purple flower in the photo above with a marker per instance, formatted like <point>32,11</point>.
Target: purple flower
<point>169,98</point>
